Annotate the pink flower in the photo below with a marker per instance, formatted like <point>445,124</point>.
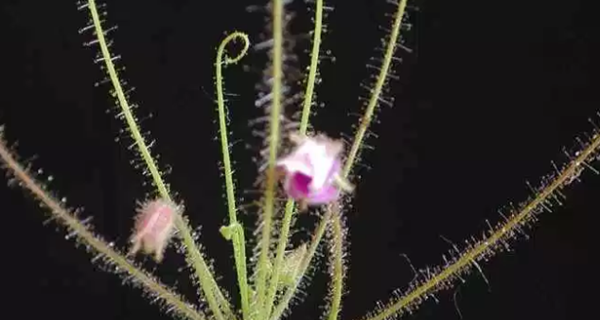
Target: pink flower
<point>313,170</point>
<point>154,226</point>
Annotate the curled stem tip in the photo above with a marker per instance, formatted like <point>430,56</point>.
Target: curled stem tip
<point>235,231</point>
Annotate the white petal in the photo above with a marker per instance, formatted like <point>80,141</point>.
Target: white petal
<point>294,164</point>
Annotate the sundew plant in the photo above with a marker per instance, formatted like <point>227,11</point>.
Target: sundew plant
<point>292,197</point>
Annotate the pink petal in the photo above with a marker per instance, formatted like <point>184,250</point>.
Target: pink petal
<point>310,170</point>
<point>336,168</point>
<point>325,195</point>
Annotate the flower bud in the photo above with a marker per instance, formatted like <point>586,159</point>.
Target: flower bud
<point>154,226</point>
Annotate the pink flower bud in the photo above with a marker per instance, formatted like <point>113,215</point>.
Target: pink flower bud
<point>312,170</point>
<point>154,226</point>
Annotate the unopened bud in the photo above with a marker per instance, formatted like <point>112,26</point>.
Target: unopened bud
<point>154,226</point>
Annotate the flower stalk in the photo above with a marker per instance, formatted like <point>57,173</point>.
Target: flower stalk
<point>97,244</point>
<point>306,111</point>
<point>274,128</point>
<point>217,302</point>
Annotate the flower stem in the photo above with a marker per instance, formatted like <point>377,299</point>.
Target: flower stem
<point>79,229</point>
<point>306,109</point>
<point>317,236</point>
<point>213,294</point>
<point>482,249</point>
<point>337,263</point>
<point>352,157</point>
<point>377,90</point>
<point>274,123</point>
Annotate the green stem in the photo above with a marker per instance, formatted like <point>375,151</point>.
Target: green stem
<point>213,294</point>
<point>289,294</point>
<point>351,160</point>
<point>238,240</point>
<point>377,90</point>
<point>314,63</point>
<point>484,246</point>
<point>274,124</point>
<point>78,228</point>
<point>306,108</point>
<point>338,264</point>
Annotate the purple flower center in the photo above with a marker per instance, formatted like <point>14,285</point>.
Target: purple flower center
<point>301,183</point>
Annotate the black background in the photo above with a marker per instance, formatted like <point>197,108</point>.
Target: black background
<point>490,95</point>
